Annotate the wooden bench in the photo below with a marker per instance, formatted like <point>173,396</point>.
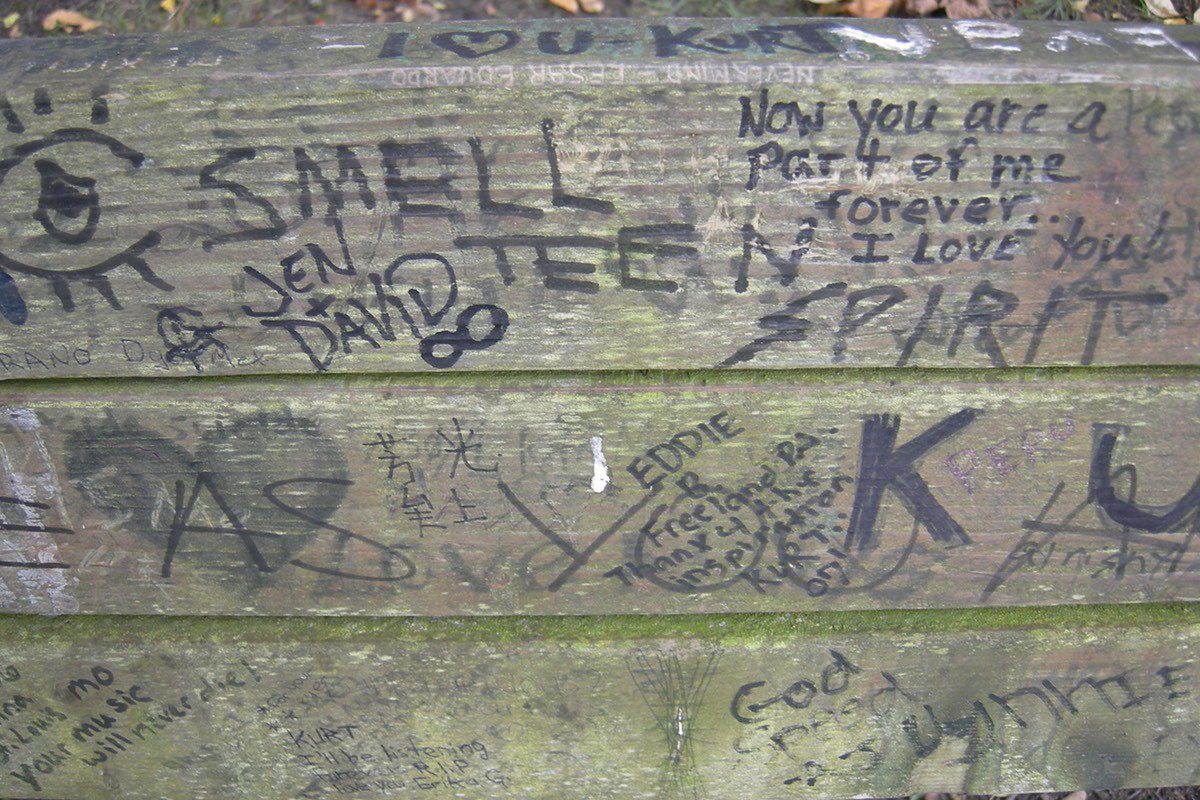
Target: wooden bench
<point>600,409</point>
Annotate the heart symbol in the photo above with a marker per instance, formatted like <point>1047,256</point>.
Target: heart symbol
<point>129,471</point>
<point>465,44</point>
<point>258,450</point>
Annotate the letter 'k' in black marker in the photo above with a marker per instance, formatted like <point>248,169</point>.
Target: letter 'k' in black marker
<point>883,466</point>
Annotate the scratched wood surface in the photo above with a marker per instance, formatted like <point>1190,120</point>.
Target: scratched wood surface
<point>140,709</point>
<point>574,197</point>
<point>528,495</point>
<point>583,195</point>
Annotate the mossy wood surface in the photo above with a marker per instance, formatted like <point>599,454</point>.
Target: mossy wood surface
<point>583,195</point>
<point>139,708</point>
<point>549,209</point>
<point>567,496</point>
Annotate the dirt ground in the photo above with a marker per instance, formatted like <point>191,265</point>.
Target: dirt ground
<point>1176,793</point>
<point>1181,793</point>
<point>25,17</point>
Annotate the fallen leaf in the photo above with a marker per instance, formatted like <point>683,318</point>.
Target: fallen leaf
<point>11,19</point>
<point>870,9</point>
<point>167,6</point>
<point>968,9</point>
<point>592,6</point>
<point>571,6</point>
<point>921,8</point>
<point>68,21</point>
<point>1162,8</point>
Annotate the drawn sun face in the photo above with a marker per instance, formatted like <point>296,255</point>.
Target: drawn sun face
<point>55,223</point>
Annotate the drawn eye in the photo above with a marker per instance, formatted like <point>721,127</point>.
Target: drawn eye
<point>66,197</point>
<point>54,221</point>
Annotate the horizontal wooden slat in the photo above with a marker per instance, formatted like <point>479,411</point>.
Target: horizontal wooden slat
<point>158,709</point>
<point>587,195</point>
<point>586,496</point>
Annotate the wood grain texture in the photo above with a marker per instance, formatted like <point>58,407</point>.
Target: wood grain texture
<point>578,195</point>
<point>573,197</point>
<point>142,709</point>
<point>532,495</point>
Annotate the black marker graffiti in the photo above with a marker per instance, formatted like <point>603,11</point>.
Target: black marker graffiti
<point>1131,528</point>
<point>30,526</point>
<point>883,466</point>
<point>420,289</point>
<point>227,490</point>
<point>578,557</point>
<point>187,338</point>
<point>68,211</point>
<point>1165,519</point>
<point>476,44</point>
<point>443,349</point>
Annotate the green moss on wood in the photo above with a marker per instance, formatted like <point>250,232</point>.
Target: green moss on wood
<point>726,628</point>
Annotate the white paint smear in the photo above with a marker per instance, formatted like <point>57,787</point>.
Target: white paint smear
<point>600,474</point>
<point>42,586</point>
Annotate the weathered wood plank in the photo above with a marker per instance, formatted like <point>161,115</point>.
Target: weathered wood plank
<point>119,708</point>
<point>527,495</point>
<point>585,195</point>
